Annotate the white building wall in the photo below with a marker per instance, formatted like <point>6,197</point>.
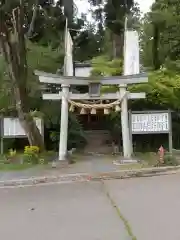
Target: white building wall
<point>83,71</point>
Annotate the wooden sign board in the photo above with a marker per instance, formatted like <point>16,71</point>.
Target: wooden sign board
<point>151,122</point>
<point>148,123</point>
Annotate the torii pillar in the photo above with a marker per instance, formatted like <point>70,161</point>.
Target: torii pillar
<point>64,123</point>
<point>127,149</point>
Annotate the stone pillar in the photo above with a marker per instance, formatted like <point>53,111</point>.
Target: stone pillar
<point>125,122</point>
<point>64,124</point>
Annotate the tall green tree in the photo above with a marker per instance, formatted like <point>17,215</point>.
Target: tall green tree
<point>161,37</point>
<point>15,28</point>
<point>110,15</point>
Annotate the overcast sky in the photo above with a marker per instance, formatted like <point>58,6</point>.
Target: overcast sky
<point>144,5</point>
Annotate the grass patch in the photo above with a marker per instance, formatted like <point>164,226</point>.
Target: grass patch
<point>149,159</point>
<point>132,166</point>
<point>17,162</point>
<point>15,167</point>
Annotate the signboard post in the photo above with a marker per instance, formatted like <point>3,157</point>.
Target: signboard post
<point>152,122</point>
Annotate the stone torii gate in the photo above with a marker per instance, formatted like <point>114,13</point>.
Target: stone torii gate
<point>65,95</point>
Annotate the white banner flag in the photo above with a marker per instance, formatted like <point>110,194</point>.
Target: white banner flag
<point>68,59</point>
<point>131,53</point>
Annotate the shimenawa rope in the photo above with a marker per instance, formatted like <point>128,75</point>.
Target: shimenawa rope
<point>96,106</point>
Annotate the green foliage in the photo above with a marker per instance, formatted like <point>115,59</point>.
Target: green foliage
<point>6,99</point>
<point>14,167</point>
<point>162,92</point>
<point>49,20</point>
<point>76,136</point>
<point>38,57</point>
<point>42,161</point>
<point>170,160</point>
<point>161,37</point>
<point>115,125</point>
<point>11,157</point>
<point>115,12</point>
<point>31,155</point>
<point>44,58</point>
<point>103,66</point>
<point>110,18</point>
<point>162,89</point>
<point>87,44</point>
<point>12,153</point>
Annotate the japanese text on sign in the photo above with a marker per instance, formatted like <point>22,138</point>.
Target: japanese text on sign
<point>150,123</point>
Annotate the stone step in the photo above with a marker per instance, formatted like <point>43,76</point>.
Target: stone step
<point>97,141</point>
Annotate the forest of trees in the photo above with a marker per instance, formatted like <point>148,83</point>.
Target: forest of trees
<point>32,35</point>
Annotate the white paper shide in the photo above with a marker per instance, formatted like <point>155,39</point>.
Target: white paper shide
<point>150,123</point>
<point>131,53</point>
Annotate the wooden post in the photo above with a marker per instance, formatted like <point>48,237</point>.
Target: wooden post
<point>2,134</point>
<point>130,133</point>
<point>170,134</point>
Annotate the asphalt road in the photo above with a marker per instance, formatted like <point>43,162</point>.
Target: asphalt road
<point>76,211</point>
<point>81,211</point>
<point>151,205</point>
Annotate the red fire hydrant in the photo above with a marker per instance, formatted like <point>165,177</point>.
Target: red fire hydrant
<point>161,152</point>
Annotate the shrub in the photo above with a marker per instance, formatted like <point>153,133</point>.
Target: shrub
<point>31,154</point>
<point>76,135</point>
<point>170,160</point>
<point>42,161</point>
<point>12,153</point>
<point>11,156</point>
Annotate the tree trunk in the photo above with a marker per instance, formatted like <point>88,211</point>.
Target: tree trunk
<point>32,132</point>
<point>14,51</point>
<point>118,44</point>
<point>156,61</point>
